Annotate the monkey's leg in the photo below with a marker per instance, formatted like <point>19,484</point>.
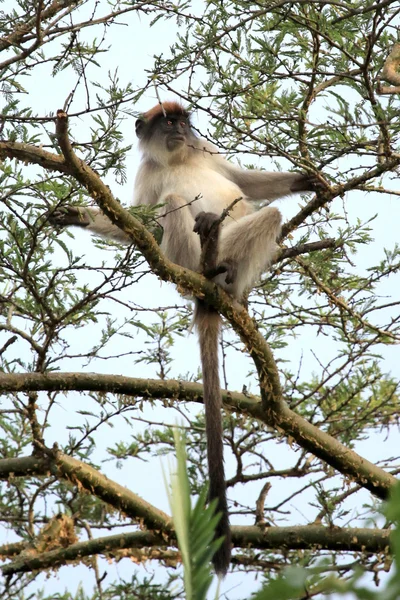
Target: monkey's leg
<point>89,218</point>
<point>179,243</point>
<point>251,244</point>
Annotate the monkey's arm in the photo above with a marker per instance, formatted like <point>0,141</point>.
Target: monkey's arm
<point>89,218</point>
<point>263,185</point>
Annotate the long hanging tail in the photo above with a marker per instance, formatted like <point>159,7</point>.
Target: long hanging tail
<point>208,323</point>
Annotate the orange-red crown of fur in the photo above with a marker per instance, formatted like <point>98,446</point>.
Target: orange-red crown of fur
<point>170,108</point>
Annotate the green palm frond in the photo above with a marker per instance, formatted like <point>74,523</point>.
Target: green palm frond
<point>194,526</point>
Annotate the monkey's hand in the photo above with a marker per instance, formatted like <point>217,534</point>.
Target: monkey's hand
<point>307,183</point>
<point>65,216</point>
<point>205,224</point>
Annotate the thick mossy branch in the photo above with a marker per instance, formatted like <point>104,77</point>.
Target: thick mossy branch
<point>119,384</point>
<point>34,155</point>
<point>111,492</point>
<point>304,537</point>
<point>84,476</point>
<point>307,435</point>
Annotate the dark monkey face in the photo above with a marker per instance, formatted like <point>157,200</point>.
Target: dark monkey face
<point>175,130</point>
<point>171,131</point>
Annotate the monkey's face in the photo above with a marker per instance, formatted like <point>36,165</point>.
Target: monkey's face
<point>170,133</point>
<point>175,130</point>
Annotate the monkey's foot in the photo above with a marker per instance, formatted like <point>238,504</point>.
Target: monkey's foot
<point>226,266</point>
<point>68,215</point>
<point>231,269</point>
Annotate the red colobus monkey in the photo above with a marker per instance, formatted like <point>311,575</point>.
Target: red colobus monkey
<point>195,184</point>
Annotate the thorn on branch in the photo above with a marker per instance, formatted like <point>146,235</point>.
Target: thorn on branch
<point>227,210</point>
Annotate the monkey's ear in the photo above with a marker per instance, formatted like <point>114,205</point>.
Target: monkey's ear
<point>139,127</point>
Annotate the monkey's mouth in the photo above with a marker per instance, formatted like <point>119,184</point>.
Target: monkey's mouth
<point>175,142</point>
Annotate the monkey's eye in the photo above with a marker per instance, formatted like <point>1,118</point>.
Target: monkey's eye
<point>169,123</point>
<point>182,123</point>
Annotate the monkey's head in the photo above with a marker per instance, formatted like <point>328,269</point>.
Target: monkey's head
<point>163,128</point>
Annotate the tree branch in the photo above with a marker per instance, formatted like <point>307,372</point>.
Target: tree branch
<point>34,155</point>
<point>306,249</point>
<point>341,304</point>
<point>78,473</point>
<point>323,197</point>
<point>16,38</point>
<point>109,491</point>
<point>362,11</point>
<point>346,461</point>
<point>304,537</point>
